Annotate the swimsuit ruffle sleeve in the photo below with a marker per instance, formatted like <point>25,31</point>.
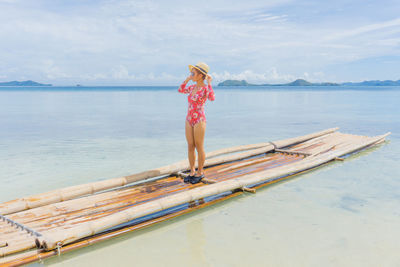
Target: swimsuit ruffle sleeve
<point>184,89</point>
<point>210,93</point>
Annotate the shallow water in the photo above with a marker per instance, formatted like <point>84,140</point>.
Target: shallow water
<point>343,214</point>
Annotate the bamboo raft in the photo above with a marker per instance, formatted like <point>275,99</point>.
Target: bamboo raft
<point>40,226</point>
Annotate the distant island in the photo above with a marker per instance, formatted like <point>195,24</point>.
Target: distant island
<point>23,83</point>
<point>301,82</point>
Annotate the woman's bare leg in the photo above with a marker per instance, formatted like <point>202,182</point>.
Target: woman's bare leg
<point>199,132</point>
<point>191,147</point>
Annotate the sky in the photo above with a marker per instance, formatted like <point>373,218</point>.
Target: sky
<point>121,42</point>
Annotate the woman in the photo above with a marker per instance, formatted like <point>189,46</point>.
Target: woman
<point>195,120</point>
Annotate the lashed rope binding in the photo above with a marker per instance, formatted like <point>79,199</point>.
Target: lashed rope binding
<point>59,245</point>
<point>19,225</point>
<point>273,144</point>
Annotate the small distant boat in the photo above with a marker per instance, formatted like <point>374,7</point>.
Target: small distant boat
<point>43,225</point>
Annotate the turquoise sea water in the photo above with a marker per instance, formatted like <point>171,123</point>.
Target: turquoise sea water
<point>343,214</point>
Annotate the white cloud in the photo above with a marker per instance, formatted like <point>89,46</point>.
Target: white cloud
<point>271,76</point>
<point>366,29</point>
<point>51,71</point>
<point>94,77</point>
<point>122,73</point>
<point>269,17</point>
<point>143,41</point>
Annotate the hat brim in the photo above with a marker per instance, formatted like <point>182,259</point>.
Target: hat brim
<point>191,67</point>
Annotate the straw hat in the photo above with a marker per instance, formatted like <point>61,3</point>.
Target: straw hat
<point>201,66</point>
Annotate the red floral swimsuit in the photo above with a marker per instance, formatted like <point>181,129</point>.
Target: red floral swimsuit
<point>196,102</point>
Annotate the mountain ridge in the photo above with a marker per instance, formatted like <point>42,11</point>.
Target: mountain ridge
<point>23,83</point>
<point>302,82</point>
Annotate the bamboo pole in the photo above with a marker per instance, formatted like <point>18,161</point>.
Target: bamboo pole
<point>304,145</point>
<point>26,244</point>
<point>246,163</point>
<point>279,160</point>
<point>19,259</point>
<point>37,216</point>
<point>51,238</point>
<point>36,255</point>
<point>137,193</point>
<point>90,188</point>
<point>73,215</point>
<point>234,149</point>
<point>55,209</point>
<point>233,174</point>
<point>93,212</point>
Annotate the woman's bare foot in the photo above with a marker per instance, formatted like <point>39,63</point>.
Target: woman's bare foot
<point>199,173</point>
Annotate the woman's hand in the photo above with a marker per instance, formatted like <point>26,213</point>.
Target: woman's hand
<point>190,77</point>
<point>208,78</point>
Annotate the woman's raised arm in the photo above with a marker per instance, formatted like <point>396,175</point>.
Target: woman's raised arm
<point>210,93</point>
<point>183,88</point>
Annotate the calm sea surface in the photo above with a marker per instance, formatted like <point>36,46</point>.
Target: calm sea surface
<point>343,214</point>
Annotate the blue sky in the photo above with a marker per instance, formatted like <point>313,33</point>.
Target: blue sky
<point>152,42</point>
